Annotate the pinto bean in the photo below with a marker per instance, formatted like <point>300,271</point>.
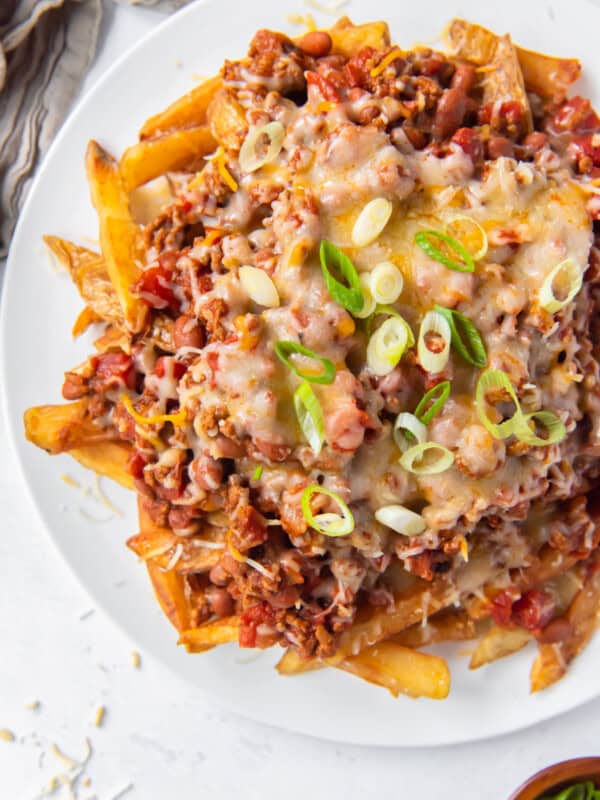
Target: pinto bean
<point>535,141</point>
<point>498,146</point>
<point>463,78</point>
<point>207,472</point>
<point>346,427</point>
<point>188,332</point>
<point>220,601</point>
<point>219,575</point>
<point>556,631</point>
<point>182,518</point>
<point>449,113</point>
<point>316,44</point>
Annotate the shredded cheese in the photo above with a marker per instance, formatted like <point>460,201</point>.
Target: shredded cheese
<point>136,659</point>
<point>177,419</point>
<point>103,498</point>
<point>6,735</point>
<point>244,560</point>
<point>326,8</point>
<point>174,558</point>
<point>386,61</point>
<point>228,178</point>
<point>70,481</point>
<point>99,716</point>
<point>213,235</point>
<point>33,705</point>
<point>304,20</point>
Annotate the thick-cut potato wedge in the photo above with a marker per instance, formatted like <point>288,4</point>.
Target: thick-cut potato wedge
<point>118,233</point>
<point>109,459</point>
<point>401,670</point>
<point>89,274</point>
<point>553,659</point>
<point>347,38</point>
<point>548,76</point>
<point>504,82</point>
<point>169,589</point>
<point>150,158</point>
<point>449,625</point>
<point>63,427</point>
<point>497,643</point>
<point>221,631</point>
<point>227,120</point>
<point>187,111</point>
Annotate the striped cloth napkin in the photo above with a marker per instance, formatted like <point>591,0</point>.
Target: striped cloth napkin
<point>46,47</point>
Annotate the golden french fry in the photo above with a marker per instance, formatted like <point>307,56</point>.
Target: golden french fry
<point>448,625</point>
<point>170,591</point>
<point>186,112</point>
<point>548,76</point>
<point>85,318</point>
<point>113,338</point>
<point>118,233</point>
<point>497,643</point>
<point>158,544</point>
<point>88,272</point>
<point>291,663</point>
<point>504,80</point>
<point>58,428</point>
<point>347,38</point>
<point>221,631</point>
<point>108,458</point>
<point>150,158</point>
<point>553,659</point>
<point>402,670</point>
<point>227,119</point>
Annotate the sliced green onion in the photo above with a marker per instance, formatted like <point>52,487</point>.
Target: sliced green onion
<point>466,339</point>
<point>419,461</point>
<point>567,276</point>
<point>350,297</point>
<point>328,524</point>
<point>497,381</point>
<point>387,345</point>
<point>285,349</point>
<point>436,324</point>
<point>369,303</point>
<point>432,402</point>
<point>389,311</point>
<point>259,286</point>
<point>251,156</point>
<point>423,240</point>
<point>371,221</point>
<point>257,474</point>
<point>401,519</point>
<point>310,416</point>
<point>470,234</point>
<point>553,425</point>
<point>386,282</point>
<point>408,430</point>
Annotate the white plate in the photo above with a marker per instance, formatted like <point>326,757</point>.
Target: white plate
<point>39,306</point>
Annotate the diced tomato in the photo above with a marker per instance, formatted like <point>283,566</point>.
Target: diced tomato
<point>136,464</point>
<point>533,611</point>
<point>169,365</point>
<point>259,614</point>
<point>323,86</point>
<point>113,370</point>
<point>470,141</point>
<point>213,362</point>
<point>502,606</point>
<point>156,288</point>
<point>576,114</point>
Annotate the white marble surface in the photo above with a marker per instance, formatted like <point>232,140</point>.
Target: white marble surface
<point>163,738</point>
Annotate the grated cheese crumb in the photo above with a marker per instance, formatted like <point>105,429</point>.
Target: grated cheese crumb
<point>99,717</point>
<point>326,8</point>
<point>136,659</point>
<point>6,735</point>
<point>122,792</point>
<point>33,705</point>
<point>303,20</point>
<point>70,481</point>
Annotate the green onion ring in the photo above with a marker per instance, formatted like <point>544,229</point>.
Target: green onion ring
<point>328,524</point>
<point>425,412</point>
<point>310,416</point>
<point>422,239</point>
<point>284,349</point>
<point>351,296</point>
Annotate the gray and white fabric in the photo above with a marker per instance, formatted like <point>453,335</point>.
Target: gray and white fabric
<point>46,47</point>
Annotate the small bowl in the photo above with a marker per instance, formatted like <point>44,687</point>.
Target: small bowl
<point>559,776</point>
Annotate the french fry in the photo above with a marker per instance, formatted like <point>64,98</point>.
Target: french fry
<point>63,427</point>
<point>187,111</point>
<point>85,318</point>
<point>553,659</point>
<point>548,76</point>
<point>151,158</point>
<point>118,233</point>
<point>497,643</point>
<point>108,458</point>
<point>221,631</point>
<point>158,544</point>
<point>227,120</point>
<point>170,591</point>
<point>291,663</point>
<point>402,670</point>
<point>347,38</point>
<point>504,80</point>
<point>89,274</point>
<point>448,625</point>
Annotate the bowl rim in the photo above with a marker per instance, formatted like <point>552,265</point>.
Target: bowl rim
<point>553,776</point>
